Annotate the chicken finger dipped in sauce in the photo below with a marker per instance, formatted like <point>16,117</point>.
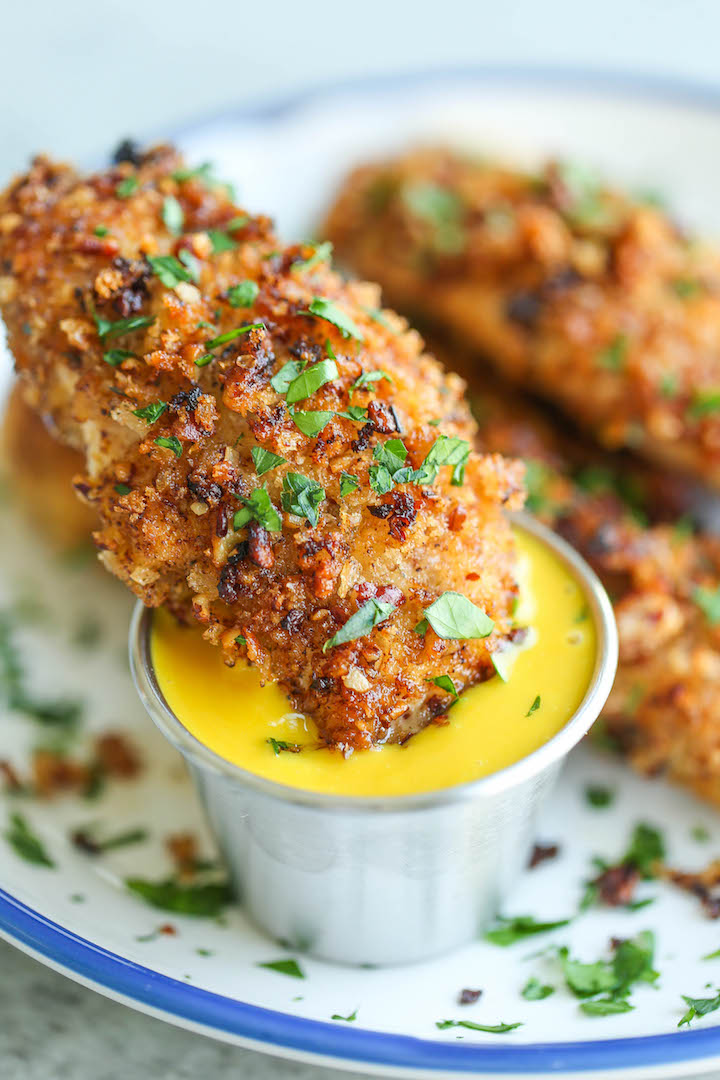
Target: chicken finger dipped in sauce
<point>265,449</point>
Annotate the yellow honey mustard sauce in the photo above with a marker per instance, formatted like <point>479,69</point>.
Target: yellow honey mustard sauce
<point>491,726</point>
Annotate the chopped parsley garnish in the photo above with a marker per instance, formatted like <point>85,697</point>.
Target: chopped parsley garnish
<point>244,294</point>
<point>686,288</point>
<point>241,639</point>
<point>391,454</point>
<point>508,931</point>
<point>223,339</point>
<point>86,841</point>
<point>258,507</point>
<point>264,460</point>
<point>285,967</point>
<point>123,489</point>
<point>322,253</point>
<point>445,683</point>
<point>585,194</point>
<point>328,310</point>
<point>708,600</point>
<point>220,241</point>
<point>367,378</point>
<point>704,403</point>
<point>170,442</point>
<point>151,412</point>
<point>370,615</point>
<point>348,1019</point>
<point>170,270</point>
<point>490,1029</point>
<point>599,796</point>
<point>201,899</point>
<point>439,208</point>
<point>534,990</point>
<point>106,328</point>
<point>301,496</point>
<point>647,848</point>
<point>115,357</point>
<point>101,230</point>
<point>700,834</point>
<point>613,356</point>
<point>534,707</point>
<point>354,413</point>
<point>699,1007</point>
<point>126,187</point>
<point>287,374</point>
<point>669,384</point>
<point>609,982</point>
<point>607,1006</point>
<point>310,380</point>
<point>452,616</point>
<point>311,422</point>
<point>279,745</point>
<point>25,843</point>
<point>446,450</point>
<point>173,215</point>
<point>348,482</point>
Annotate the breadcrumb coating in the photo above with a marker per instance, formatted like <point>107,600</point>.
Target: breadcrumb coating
<point>266,450</point>
<point>595,301</point>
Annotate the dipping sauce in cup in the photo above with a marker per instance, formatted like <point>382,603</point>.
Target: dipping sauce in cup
<point>402,852</point>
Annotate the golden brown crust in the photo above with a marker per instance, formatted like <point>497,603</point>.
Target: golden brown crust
<point>167,511</point>
<point>598,303</point>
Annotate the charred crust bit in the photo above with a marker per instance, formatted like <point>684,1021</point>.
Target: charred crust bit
<point>259,546</point>
<point>542,853</point>
<point>221,521</point>
<point>127,150</point>
<point>306,351</point>
<point>196,413</point>
<point>124,283</point>
<point>700,885</point>
<point>401,510</point>
<point>292,622</point>
<point>363,440</point>
<point>228,584</point>
<point>616,885</point>
<point>322,684</point>
<point>561,281</point>
<point>186,399</point>
<point>524,308</point>
<point>382,417</point>
<point>205,490</point>
<point>469,997</point>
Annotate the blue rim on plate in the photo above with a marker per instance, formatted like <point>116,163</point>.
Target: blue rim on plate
<point>288,1035</point>
<point>283,1033</point>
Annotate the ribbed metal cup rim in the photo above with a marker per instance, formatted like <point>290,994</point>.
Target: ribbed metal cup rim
<point>558,746</point>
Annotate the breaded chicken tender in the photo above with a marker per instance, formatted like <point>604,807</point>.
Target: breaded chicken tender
<point>597,302</point>
<point>265,449</point>
<point>40,472</point>
<point>664,581</point>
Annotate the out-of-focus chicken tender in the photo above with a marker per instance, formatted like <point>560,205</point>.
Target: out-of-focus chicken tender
<point>597,302</point>
<point>265,449</point>
<point>40,473</point>
<point>664,581</point>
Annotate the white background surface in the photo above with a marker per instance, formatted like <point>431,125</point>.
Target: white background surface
<point>77,76</point>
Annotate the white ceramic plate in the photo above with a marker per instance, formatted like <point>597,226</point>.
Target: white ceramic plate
<point>79,918</point>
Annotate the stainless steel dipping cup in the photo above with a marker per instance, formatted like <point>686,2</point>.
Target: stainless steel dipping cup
<point>381,880</point>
